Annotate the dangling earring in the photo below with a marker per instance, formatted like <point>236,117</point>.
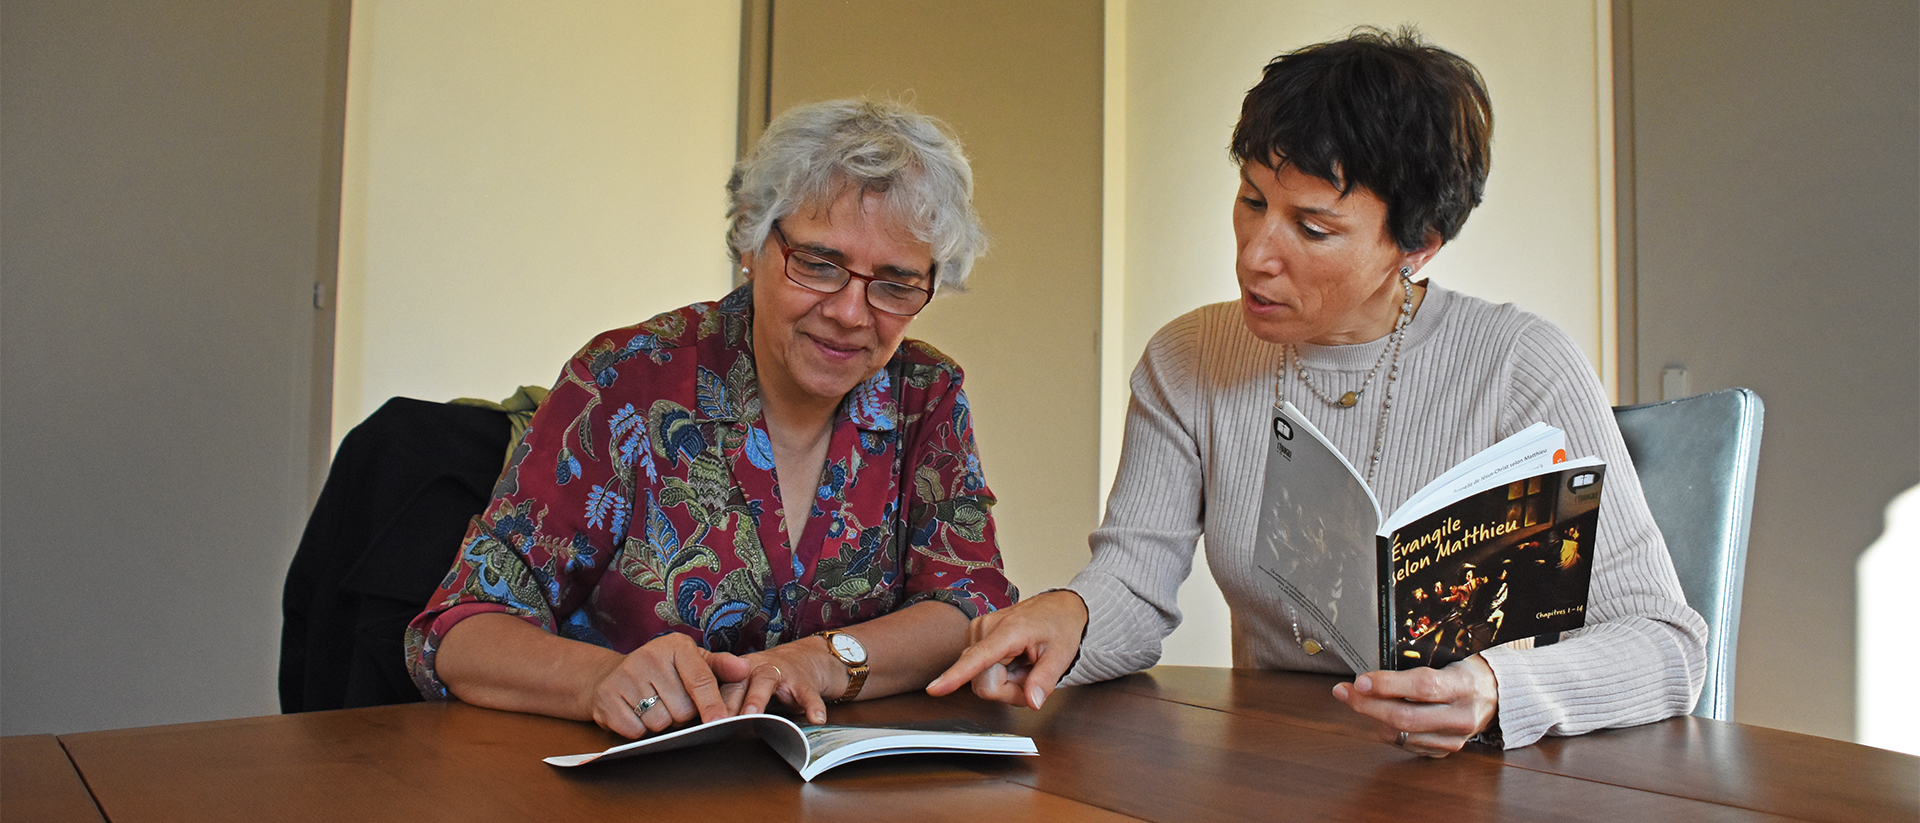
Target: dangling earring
<point>1406,272</point>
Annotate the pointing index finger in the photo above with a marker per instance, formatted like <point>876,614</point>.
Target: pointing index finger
<point>975,659</point>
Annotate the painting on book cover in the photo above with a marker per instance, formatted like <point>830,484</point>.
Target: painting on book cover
<point>1506,564</point>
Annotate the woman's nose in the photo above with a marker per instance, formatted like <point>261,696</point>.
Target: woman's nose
<point>1263,251</point>
<point>848,306</point>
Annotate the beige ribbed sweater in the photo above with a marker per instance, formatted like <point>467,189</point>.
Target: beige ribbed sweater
<point>1471,373</point>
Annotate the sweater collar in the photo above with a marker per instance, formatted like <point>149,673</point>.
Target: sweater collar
<point>1362,356</point>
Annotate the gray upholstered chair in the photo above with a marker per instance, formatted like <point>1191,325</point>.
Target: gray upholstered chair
<point>1697,458</point>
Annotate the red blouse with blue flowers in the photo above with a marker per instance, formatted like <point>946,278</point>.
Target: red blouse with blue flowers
<point>644,501</point>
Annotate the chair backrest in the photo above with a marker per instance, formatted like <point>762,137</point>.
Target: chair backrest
<point>385,530</point>
<point>1697,458</point>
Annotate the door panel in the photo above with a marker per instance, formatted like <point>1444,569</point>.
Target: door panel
<point>171,192</point>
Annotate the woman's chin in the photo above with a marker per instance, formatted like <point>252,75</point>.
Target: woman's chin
<point>1267,322</point>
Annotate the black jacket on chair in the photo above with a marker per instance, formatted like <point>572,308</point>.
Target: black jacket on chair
<point>389,521</point>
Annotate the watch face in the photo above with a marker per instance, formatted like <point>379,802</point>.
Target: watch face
<point>849,649</point>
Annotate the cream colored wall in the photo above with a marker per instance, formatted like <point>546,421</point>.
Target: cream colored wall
<point>1176,72</point>
<point>519,176</point>
<point>1021,84</point>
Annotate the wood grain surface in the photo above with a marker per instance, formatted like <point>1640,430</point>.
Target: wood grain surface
<point>1171,744</point>
<point>38,783</point>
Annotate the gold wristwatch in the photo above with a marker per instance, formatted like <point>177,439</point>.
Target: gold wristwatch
<point>851,654</point>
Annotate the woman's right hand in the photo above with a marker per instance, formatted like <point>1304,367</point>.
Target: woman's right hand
<point>1017,655</point>
<point>670,667</point>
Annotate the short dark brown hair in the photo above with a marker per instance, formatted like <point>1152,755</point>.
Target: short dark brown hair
<point>1385,110</point>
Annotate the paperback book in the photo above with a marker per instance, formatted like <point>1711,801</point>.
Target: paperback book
<point>1496,550</point>
<point>815,749</point>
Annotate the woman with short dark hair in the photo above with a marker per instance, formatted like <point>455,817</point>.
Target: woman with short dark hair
<point>1358,160</point>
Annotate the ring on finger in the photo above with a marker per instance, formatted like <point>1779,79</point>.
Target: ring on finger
<point>1402,741</point>
<point>645,703</point>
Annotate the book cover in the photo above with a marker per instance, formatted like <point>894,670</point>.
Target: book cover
<point>1505,564</point>
<point>1495,550</point>
<point>815,749</point>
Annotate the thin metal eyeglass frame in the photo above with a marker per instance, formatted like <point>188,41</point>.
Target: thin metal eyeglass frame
<point>786,267</point>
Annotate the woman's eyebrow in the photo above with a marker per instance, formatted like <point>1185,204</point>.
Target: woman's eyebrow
<point>899,273</point>
<point>1317,211</point>
<point>815,249</point>
<point>838,257</point>
<point>1320,211</point>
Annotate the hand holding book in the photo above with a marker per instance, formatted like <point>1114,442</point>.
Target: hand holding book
<point>1437,710</point>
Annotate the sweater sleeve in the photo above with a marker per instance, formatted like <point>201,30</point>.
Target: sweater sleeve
<point>1144,548</point>
<point>1642,655</point>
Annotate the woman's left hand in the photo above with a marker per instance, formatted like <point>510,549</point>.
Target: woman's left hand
<point>1438,710</point>
<point>800,674</point>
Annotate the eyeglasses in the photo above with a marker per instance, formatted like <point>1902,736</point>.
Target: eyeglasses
<point>814,273</point>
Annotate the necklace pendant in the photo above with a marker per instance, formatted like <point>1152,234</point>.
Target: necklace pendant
<point>1347,400</point>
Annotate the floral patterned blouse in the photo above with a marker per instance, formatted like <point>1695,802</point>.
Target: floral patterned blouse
<point>644,501</point>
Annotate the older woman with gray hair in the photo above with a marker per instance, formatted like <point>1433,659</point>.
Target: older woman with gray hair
<point>775,496</point>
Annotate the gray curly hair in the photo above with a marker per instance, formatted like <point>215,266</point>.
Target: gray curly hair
<point>812,153</point>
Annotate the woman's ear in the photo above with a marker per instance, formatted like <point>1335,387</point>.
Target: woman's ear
<point>1417,259</point>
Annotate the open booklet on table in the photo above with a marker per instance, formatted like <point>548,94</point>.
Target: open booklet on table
<point>1497,549</point>
<point>815,749</point>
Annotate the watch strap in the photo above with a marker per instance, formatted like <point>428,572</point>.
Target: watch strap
<point>856,677</point>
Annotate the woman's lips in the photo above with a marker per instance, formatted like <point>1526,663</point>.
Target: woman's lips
<point>834,350</point>
<point>1260,305</point>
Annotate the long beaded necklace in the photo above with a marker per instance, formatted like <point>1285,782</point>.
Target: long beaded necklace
<point>1292,364</point>
<point>1352,398</point>
<point>1389,354</point>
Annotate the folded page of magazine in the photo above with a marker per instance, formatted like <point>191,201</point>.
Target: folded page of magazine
<point>815,749</point>
<point>1535,447</point>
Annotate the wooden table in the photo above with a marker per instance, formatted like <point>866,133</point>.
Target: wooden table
<point>38,783</point>
<point>1172,744</point>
